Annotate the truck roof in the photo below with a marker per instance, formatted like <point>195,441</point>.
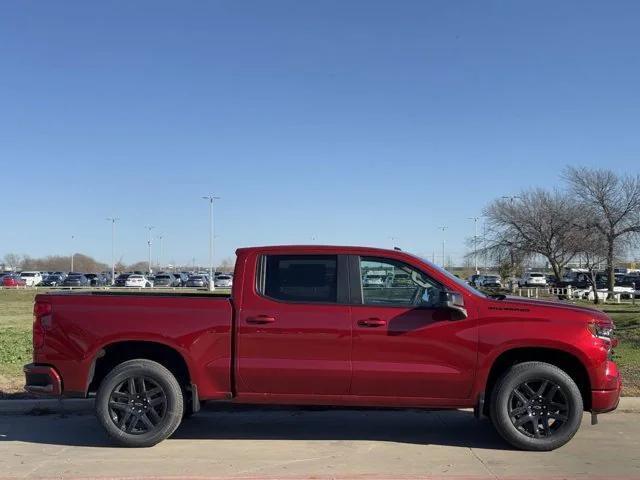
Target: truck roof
<point>317,248</point>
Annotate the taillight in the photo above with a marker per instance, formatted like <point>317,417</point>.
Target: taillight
<point>40,310</point>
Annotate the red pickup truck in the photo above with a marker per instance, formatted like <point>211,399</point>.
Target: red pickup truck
<point>320,325</point>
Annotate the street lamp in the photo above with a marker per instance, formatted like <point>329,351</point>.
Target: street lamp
<point>73,251</point>
<point>113,221</point>
<point>159,259</point>
<point>475,241</point>
<point>210,198</point>
<point>443,228</point>
<point>149,228</point>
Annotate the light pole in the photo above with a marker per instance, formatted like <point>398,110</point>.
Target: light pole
<point>159,259</point>
<point>475,242</point>
<point>210,198</point>
<point>443,228</point>
<point>73,251</point>
<point>113,221</point>
<point>149,228</point>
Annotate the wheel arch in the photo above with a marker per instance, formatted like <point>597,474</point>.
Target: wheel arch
<point>116,352</point>
<point>561,358</point>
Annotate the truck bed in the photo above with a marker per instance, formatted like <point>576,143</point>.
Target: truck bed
<point>83,326</point>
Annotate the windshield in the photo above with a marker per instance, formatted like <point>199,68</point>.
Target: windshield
<point>460,282</point>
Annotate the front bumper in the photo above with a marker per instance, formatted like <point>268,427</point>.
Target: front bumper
<point>603,401</point>
<point>42,380</point>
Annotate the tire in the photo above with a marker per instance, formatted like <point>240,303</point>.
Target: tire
<point>536,406</point>
<point>159,411</point>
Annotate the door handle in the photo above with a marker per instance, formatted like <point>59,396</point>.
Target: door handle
<point>261,319</point>
<point>372,322</point>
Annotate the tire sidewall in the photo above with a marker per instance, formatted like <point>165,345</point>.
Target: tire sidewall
<point>527,372</point>
<point>171,388</point>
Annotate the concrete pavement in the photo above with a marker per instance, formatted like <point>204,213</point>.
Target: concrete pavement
<point>319,443</point>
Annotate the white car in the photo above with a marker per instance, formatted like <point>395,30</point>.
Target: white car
<point>31,278</point>
<point>139,281</point>
<point>223,281</point>
<point>533,279</point>
<point>374,280</point>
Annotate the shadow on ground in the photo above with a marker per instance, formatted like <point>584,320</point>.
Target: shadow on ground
<point>447,428</point>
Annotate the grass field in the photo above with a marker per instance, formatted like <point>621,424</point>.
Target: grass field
<point>15,340</point>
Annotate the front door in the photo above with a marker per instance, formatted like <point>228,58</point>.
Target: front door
<point>404,345</point>
<point>294,329</point>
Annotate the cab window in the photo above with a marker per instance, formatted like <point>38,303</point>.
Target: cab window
<point>300,278</point>
<point>388,282</point>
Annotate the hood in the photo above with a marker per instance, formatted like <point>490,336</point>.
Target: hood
<point>534,304</point>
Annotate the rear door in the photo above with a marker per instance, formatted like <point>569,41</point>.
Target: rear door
<point>294,326</point>
<point>404,344</point>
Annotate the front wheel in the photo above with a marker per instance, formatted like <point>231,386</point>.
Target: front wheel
<point>536,406</point>
<point>139,403</point>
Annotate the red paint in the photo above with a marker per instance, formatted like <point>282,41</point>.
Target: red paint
<point>333,354</point>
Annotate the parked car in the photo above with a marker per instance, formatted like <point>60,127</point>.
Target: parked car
<point>489,281</point>
<point>140,281</point>
<point>305,305</point>
<point>166,280</point>
<point>473,279</point>
<point>223,281</point>
<point>374,279</point>
<point>96,279</point>
<point>182,278</point>
<point>52,280</point>
<point>13,280</point>
<point>198,281</point>
<point>31,278</point>
<point>533,279</point>
<point>121,280</point>
<point>76,280</point>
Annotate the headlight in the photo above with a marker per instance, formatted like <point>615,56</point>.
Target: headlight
<point>604,331</point>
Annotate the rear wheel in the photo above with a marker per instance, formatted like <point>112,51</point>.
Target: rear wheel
<point>139,403</point>
<point>536,406</point>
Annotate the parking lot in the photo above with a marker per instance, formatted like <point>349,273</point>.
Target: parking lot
<point>318,443</point>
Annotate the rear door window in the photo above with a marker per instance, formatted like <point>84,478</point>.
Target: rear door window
<point>300,278</point>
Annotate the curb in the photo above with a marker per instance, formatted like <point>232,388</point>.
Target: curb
<point>46,406</point>
<point>85,405</point>
<point>629,405</point>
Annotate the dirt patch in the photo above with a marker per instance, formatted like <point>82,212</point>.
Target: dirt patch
<point>12,387</point>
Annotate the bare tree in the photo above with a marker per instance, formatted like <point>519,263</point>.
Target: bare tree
<point>592,248</point>
<point>537,222</point>
<point>227,264</point>
<point>12,260</point>
<point>612,203</point>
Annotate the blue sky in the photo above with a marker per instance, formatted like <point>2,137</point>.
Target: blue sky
<point>315,121</point>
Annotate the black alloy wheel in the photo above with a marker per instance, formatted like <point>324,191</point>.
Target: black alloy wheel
<point>137,405</point>
<point>538,408</point>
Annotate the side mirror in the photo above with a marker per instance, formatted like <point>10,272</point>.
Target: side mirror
<point>453,301</point>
